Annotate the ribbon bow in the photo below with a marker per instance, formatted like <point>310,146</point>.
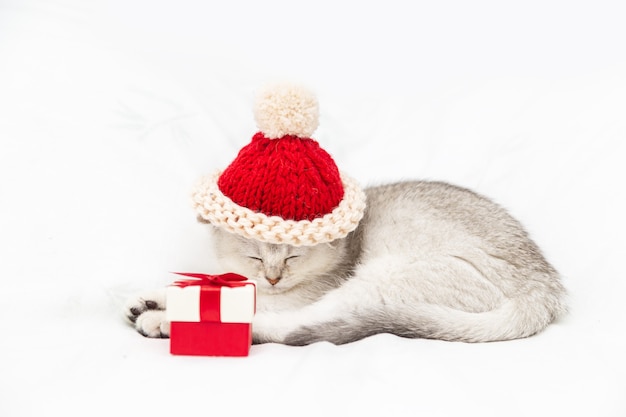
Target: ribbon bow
<point>225,280</point>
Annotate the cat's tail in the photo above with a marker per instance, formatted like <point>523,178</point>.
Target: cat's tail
<point>513,319</point>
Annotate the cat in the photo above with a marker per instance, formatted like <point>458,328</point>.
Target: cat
<point>428,260</point>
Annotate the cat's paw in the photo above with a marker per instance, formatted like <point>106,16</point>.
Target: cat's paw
<point>152,323</point>
<point>266,328</point>
<point>147,314</point>
<point>138,305</point>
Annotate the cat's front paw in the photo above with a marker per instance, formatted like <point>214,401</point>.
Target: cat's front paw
<point>147,314</point>
<point>152,323</point>
<point>267,328</point>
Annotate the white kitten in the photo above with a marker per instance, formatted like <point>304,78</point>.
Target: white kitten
<point>428,260</point>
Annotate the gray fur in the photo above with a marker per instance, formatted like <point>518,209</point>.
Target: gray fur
<point>428,260</point>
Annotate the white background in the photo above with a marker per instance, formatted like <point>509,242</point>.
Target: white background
<point>110,110</point>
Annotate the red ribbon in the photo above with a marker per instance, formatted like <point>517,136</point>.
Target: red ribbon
<point>210,294</point>
<point>225,280</point>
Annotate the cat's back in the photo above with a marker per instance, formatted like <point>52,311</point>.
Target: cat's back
<point>430,200</point>
<point>433,215</point>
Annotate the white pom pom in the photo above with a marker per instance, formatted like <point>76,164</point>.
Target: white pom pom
<point>286,109</point>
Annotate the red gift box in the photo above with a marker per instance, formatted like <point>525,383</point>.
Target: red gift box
<point>211,315</point>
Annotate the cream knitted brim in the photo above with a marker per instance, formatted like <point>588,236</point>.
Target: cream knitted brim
<point>221,211</point>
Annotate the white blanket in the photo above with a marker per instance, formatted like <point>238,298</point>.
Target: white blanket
<point>110,110</point>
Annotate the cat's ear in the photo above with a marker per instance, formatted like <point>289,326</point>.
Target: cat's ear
<point>336,244</point>
<point>202,220</point>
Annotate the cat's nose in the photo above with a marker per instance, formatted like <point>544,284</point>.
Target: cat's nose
<point>273,281</point>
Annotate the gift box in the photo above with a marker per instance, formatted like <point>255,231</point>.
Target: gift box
<point>211,315</point>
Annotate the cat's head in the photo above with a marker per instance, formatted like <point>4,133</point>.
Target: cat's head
<point>276,268</point>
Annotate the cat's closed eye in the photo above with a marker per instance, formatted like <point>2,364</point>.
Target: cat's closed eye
<point>291,258</point>
<point>255,258</point>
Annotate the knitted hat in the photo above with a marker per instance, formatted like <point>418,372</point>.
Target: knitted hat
<point>282,187</point>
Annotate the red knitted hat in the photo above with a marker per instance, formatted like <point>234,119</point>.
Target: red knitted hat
<point>282,187</point>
